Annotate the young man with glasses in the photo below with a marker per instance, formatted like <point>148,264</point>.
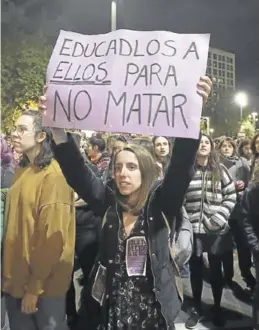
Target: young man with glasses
<point>38,250</point>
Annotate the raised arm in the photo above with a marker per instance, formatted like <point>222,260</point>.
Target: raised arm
<point>78,175</point>
<point>181,167</point>
<point>178,176</point>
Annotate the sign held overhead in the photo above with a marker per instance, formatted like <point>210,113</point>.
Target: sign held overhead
<point>127,81</point>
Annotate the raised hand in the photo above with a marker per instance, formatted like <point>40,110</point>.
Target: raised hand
<point>204,88</point>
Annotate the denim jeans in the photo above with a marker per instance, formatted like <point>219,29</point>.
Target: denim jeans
<point>50,316</point>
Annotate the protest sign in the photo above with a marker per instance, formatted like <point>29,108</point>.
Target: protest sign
<point>127,81</point>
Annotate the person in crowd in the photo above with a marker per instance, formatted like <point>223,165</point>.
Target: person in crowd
<point>97,154</point>
<point>255,151</point>
<point>250,203</point>
<point>162,151</point>
<point>209,200</point>
<point>38,247</point>
<point>239,169</point>
<point>148,145</point>
<point>8,140</point>
<point>245,151</point>
<point>117,143</point>
<point>8,165</point>
<point>125,294</point>
<point>216,143</point>
<point>88,228</point>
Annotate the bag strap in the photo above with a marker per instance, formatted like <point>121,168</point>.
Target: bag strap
<point>168,227</point>
<point>105,217</point>
<point>166,222</point>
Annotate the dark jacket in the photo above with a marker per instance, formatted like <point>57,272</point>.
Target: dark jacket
<point>7,174</point>
<point>250,204</point>
<point>239,169</point>
<point>166,196</point>
<point>88,230</point>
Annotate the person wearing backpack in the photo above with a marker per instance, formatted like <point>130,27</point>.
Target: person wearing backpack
<point>133,280</point>
<point>209,201</point>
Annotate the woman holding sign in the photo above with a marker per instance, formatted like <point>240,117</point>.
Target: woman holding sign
<point>132,285</point>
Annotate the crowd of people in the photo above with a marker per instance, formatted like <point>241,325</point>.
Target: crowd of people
<point>104,204</point>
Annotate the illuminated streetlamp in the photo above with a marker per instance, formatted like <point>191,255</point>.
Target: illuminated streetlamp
<point>211,131</point>
<point>241,100</point>
<point>254,117</point>
<point>114,15</point>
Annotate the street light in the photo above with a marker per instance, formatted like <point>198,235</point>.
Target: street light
<point>254,117</point>
<point>211,131</point>
<point>114,15</point>
<point>241,100</point>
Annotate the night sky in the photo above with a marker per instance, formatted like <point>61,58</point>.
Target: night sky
<point>233,24</point>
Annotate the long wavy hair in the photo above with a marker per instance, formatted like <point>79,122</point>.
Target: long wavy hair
<point>7,156</point>
<point>148,172</point>
<point>213,166</point>
<point>45,156</point>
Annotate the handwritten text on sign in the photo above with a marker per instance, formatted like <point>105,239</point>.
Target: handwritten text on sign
<point>127,81</point>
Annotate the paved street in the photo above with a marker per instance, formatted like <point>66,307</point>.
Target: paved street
<point>236,303</point>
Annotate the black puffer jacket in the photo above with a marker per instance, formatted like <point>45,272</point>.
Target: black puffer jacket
<point>166,196</point>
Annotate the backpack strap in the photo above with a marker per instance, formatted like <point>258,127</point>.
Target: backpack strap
<point>105,217</point>
<point>166,222</point>
<point>168,227</point>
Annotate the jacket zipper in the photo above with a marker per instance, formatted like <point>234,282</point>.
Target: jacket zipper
<point>203,175</point>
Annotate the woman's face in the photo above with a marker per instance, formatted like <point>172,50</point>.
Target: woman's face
<point>127,174</point>
<point>257,145</point>
<point>161,147</point>
<point>91,151</point>
<point>205,147</point>
<point>227,149</point>
<point>247,152</point>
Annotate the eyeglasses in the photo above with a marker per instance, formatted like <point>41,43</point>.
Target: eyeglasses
<point>20,131</point>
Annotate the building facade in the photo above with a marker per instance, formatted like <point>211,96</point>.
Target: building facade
<point>221,70</point>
